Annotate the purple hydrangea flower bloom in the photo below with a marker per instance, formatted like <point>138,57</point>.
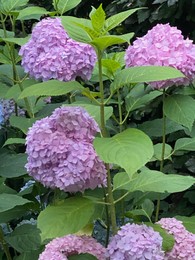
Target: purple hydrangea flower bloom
<point>59,157</point>
<point>8,109</point>
<point>164,45</point>
<point>61,248</point>
<point>133,242</point>
<point>184,247</point>
<point>52,54</point>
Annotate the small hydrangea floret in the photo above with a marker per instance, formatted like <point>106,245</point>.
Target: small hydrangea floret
<point>164,45</point>
<point>61,248</point>
<point>136,242</point>
<point>52,54</point>
<point>60,151</point>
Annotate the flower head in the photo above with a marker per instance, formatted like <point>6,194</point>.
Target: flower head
<point>136,242</point>
<point>61,248</point>
<point>51,54</point>
<point>164,45</point>
<point>59,157</point>
<point>184,246</point>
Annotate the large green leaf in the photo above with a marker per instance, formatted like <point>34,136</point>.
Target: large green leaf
<point>22,123</point>
<point>116,19</point>
<point>158,152</point>
<point>98,17</point>
<point>179,109</point>
<point>185,144</point>
<point>188,222</point>
<point>133,103</point>
<point>63,6</point>
<point>153,127</point>
<point>31,255</point>
<point>51,88</point>
<point>6,6</point>
<point>9,201</point>
<point>105,41</point>
<point>144,74</point>
<point>154,181</point>
<point>18,41</point>
<point>130,149</point>
<point>76,32</point>
<point>65,217</point>
<point>32,12</point>
<point>25,238</point>
<point>12,165</point>
<point>14,141</point>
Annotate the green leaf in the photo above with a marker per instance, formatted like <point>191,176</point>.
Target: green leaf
<point>25,238</point>
<point>144,74</point>
<point>3,89</point>
<point>18,41</point>
<point>179,109</point>
<point>76,32</point>
<point>9,201</point>
<point>152,128</point>
<point>188,222</point>
<point>22,123</point>
<point>147,208</point>
<point>117,19</point>
<point>130,149</point>
<point>98,18</point>
<point>158,152</point>
<point>111,65</point>
<point>31,255</point>
<point>66,217</point>
<point>6,6</point>
<point>12,165</point>
<point>63,6</point>
<point>51,88</point>
<point>14,141</point>
<point>108,40</point>
<point>155,181</point>
<point>168,240</point>
<point>32,12</point>
<point>133,103</point>
<point>185,144</point>
<point>82,257</point>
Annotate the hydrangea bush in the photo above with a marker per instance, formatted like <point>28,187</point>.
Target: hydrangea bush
<point>101,151</point>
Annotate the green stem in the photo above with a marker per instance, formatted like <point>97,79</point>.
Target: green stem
<point>162,152</point>
<point>104,134</point>
<point>120,111</point>
<point>4,245</point>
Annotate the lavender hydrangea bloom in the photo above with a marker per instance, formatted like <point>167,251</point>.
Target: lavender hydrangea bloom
<point>51,54</point>
<point>1,115</point>
<point>59,157</point>
<point>133,242</point>
<point>164,45</point>
<point>61,248</point>
<point>184,247</point>
<point>8,109</point>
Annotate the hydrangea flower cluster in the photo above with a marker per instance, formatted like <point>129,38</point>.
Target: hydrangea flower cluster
<point>184,247</point>
<point>7,108</point>
<point>60,151</point>
<point>136,242</point>
<point>164,45</point>
<point>61,248</point>
<point>52,54</point>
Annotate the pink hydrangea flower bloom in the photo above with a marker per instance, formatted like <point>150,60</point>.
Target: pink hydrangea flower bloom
<point>136,242</point>
<point>164,45</point>
<point>61,248</point>
<point>52,54</point>
<point>184,247</point>
<point>60,151</point>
